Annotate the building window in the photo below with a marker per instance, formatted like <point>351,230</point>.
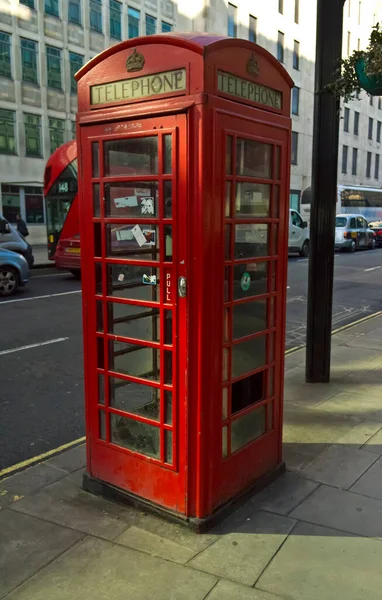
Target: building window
<point>53,65</point>
<point>297,11</point>
<point>354,162</point>
<point>10,196</point>
<point>376,167</point>
<point>356,123</point>
<point>294,155</point>
<point>232,21</point>
<point>34,205</point>
<point>115,19</point>
<point>56,133</point>
<point>5,55</point>
<point>370,133</point>
<point>7,132</point>
<point>252,30</point>
<point>33,135</point>
<point>151,25</point>
<point>368,165</point>
<point>281,7</point>
<point>133,17</point>
<point>346,119</point>
<point>280,46</point>
<point>73,129</point>
<point>294,200</point>
<point>74,12</point>
<point>76,61</point>
<point>295,101</point>
<point>371,101</point>
<point>29,58</point>
<point>296,55</point>
<point>344,159</point>
<point>28,3</point>
<point>52,8</point>
<point>166,27</point>
<point>379,124</point>
<point>379,103</point>
<point>96,15</point>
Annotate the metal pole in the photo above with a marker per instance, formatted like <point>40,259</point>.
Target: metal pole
<point>324,193</point>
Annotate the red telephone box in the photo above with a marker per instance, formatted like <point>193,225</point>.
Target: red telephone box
<point>184,194</point>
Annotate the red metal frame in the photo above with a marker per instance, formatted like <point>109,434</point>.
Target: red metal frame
<point>200,479</point>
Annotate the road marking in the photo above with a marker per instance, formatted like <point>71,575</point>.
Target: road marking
<point>40,457</point>
<point>10,350</point>
<point>50,275</point>
<point>40,297</point>
<point>372,269</point>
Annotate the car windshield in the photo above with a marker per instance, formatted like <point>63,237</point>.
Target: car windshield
<point>341,221</point>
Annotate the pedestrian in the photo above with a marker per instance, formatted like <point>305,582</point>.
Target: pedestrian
<point>21,226</point>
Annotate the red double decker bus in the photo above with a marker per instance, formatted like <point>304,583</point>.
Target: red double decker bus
<point>62,213</point>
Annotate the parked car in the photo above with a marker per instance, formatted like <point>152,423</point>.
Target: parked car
<point>11,239</point>
<point>298,238</point>
<point>68,255</point>
<point>353,233</point>
<point>376,226</point>
<point>14,271</point>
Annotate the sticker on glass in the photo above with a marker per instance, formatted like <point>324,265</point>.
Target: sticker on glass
<point>149,237</point>
<point>139,235</point>
<point>149,279</point>
<point>126,201</point>
<point>124,234</point>
<point>245,282</point>
<point>147,206</point>
<point>121,277</point>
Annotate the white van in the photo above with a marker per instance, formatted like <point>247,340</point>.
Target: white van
<point>298,237</point>
<point>11,239</point>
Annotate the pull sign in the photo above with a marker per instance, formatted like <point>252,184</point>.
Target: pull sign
<point>182,287</point>
<point>168,289</point>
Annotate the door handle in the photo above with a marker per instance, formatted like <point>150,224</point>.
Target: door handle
<point>182,287</point>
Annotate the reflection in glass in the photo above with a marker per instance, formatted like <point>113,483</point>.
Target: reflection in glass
<point>100,353</point>
<point>134,156</point>
<point>136,322</point>
<point>225,403</point>
<point>134,360</point>
<point>227,242</point>
<point>271,382</point>
<point>136,436</point>
<point>136,242</point>
<point>275,241</point>
<point>167,162</point>
<point>132,200</point>
<point>252,200</point>
<point>95,159</point>
<point>99,312</point>
<point>127,281</point>
<point>251,240</point>
<point>225,442</point>
<point>250,317</point>
<point>226,325</point>
<point>271,347</point>
<point>167,367</point>
<point>228,155</point>
<point>248,356</point>
<point>247,428</point>
<point>101,394</point>
<point>276,201</point>
<point>97,240</point>
<point>96,201</point>
<point>98,278</point>
<point>168,447</point>
<point>253,159</point>
<point>273,277</point>
<point>258,273</point>
<point>134,398</point>
<point>168,326</point>
<point>167,189</point>
<point>228,199</point>
<point>227,284</point>
<point>225,364</point>
<point>102,425</point>
<point>168,407</point>
<point>248,391</point>
<point>277,162</point>
<point>168,245</point>
<point>272,304</point>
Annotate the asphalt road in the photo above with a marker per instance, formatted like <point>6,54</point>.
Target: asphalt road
<point>41,368</point>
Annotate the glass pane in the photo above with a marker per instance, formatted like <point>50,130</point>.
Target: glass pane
<point>134,398</point>
<point>134,435</point>
<point>228,155</point>
<point>100,353</point>
<point>168,326</point>
<point>137,242</point>
<point>253,159</point>
<point>133,282</point>
<point>101,390</point>
<point>248,391</point>
<point>251,240</point>
<point>250,317</point>
<point>227,244</point>
<point>247,428</point>
<point>98,278</point>
<point>271,382</point>
<point>248,356</point>
<point>134,360</point>
<point>168,367</point>
<point>275,241</point>
<point>102,425</point>
<point>272,304</point>
<point>132,200</point>
<point>252,200</point>
<point>168,446</point>
<point>168,408</point>
<point>272,348</point>
<point>225,404</point>
<point>137,156</point>
<point>224,442</point>
<point>276,201</point>
<point>228,199</point>
<point>96,201</point>
<point>167,159</point>
<point>250,280</point>
<point>97,239</point>
<point>277,163</point>
<point>168,245</point>
<point>273,277</point>
<point>99,311</point>
<point>132,321</point>
<point>95,159</point>
<point>226,325</point>
<point>167,189</point>
<point>227,284</point>
<point>225,363</point>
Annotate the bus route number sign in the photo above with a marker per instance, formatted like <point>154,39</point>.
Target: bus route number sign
<point>63,187</point>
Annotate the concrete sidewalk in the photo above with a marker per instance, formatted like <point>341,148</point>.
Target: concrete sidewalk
<point>315,534</point>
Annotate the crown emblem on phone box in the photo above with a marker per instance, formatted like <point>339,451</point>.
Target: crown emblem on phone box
<point>135,62</point>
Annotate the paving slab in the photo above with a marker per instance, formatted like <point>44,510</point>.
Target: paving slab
<point>342,510</point>
<point>348,404</point>
<point>140,539</point>
<point>374,444</point>
<point>242,552</point>
<point>284,494</point>
<point>370,484</point>
<point>361,434</point>
<point>340,465</point>
<point>66,504</point>
<point>28,544</point>
<point>95,569</point>
<point>317,563</point>
<point>34,478</point>
<point>71,460</point>
<point>228,590</point>
<point>309,394</point>
<point>369,342</point>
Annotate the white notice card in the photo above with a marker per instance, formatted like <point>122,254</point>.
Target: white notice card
<point>138,234</point>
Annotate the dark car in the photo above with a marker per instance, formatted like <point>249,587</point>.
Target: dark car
<point>376,226</point>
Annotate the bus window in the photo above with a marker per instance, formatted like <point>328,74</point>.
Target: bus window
<point>58,202</point>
